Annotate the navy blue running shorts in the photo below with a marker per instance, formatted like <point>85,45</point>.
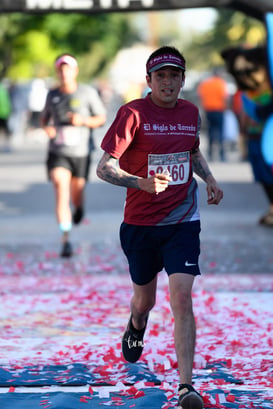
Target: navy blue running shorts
<point>149,249</point>
<point>78,166</point>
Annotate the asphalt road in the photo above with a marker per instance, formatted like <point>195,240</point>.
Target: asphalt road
<point>231,237</point>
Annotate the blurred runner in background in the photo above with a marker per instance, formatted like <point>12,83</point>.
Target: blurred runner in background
<point>213,94</point>
<point>71,111</point>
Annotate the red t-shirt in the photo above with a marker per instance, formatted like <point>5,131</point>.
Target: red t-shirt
<point>148,139</point>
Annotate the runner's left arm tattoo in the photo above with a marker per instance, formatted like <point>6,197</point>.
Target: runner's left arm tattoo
<point>200,166</point>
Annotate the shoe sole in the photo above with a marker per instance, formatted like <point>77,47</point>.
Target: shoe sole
<point>191,401</point>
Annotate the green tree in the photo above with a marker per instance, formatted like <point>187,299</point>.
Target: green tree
<point>29,43</point>
<point>231,28</point>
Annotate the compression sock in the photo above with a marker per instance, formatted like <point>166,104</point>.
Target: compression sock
<point>65,227</point>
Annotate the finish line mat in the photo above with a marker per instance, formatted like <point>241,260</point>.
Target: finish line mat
<point>152,398</point>
<point>83,374</point>
<point>62,321</point>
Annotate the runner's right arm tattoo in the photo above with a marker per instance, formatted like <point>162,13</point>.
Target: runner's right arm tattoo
<point>109,171</point>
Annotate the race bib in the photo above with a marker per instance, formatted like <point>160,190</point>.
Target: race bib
<point>68,136</point>
<point>177,165</point>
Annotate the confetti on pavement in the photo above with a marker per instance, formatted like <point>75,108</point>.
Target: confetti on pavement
<point>62,320</point>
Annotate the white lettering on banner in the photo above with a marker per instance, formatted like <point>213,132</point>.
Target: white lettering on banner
<point>106,4</point>
<point>123,4</point>
<point>59,4</point>
<point>83,4</point>
<point>147,3</point>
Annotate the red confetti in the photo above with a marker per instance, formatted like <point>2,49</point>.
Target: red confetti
<point>139,394</point>
<point>67,317</point>
<point>230,398</point>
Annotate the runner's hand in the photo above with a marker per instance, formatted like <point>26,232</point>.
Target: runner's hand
<point>155,184</point>
<point>50,131</point>
<point>215,194</point>
<point>75,119</point>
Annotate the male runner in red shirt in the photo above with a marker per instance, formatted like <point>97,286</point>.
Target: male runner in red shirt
<point>152,149</point>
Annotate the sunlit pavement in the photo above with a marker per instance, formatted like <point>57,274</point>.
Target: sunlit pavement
<point>235,287</point>
<point>27,210</point>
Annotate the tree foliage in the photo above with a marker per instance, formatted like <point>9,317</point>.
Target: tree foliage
<point>231,28</point>
<point>29,43</point>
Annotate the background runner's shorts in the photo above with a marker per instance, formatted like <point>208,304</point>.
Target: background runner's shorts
<point>78,166</point>
<point>149,249</point>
